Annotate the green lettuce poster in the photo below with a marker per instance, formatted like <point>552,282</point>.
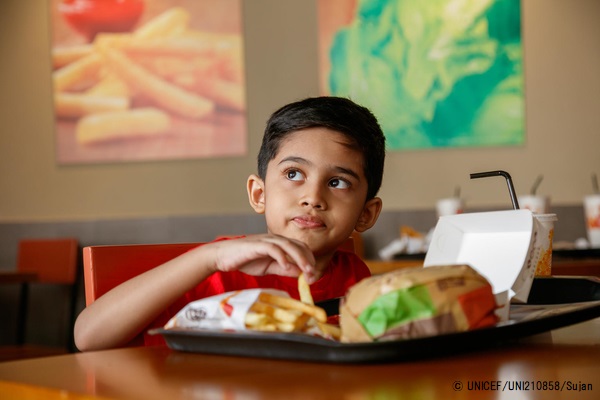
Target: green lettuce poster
<point>437,73</point>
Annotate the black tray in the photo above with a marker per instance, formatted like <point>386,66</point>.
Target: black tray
<point>526,319</point>
<point>576,254</point>
<point>410,257</point>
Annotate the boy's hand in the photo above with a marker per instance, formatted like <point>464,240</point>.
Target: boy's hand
<point>266,254</point>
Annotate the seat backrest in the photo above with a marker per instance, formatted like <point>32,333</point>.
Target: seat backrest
<point>52,260</point>
<point>105,267</point>
<point>355,244</point>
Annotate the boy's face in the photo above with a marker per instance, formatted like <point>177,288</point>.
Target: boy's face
<point>315,190</point>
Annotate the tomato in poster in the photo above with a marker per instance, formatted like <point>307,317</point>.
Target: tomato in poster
<point>90,17</point>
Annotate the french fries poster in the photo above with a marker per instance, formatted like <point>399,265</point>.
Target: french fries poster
<point>138,80</point>
<point>436,73</point>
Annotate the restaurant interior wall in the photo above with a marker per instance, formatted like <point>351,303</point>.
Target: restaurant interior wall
<point>562,60</point>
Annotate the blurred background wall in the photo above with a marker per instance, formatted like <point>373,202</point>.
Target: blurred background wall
<point>562,60</point>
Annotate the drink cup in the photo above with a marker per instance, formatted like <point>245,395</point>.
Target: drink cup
<point>544,233</point>
<point>449,206</point>
<point>591,208</point>
<point>535,203</point>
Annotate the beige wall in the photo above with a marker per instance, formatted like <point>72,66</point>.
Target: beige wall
<point>562,65</point>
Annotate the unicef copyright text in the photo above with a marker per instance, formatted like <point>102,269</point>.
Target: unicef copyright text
<point>511,385</point>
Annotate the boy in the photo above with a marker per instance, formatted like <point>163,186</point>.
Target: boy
<point>320,167</point>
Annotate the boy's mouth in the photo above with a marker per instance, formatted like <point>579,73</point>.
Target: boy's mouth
<point>308,222</point>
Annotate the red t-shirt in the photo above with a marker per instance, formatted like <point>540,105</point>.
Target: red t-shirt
<point>345,269</point>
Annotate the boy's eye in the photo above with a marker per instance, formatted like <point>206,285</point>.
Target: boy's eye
<point>294,175</point>
<point>339,183</point>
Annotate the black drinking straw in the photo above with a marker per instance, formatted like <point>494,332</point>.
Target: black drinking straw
<point>457,192</point>
<point>595,184</point>
<point>506,175</point>
<point>536,184</point>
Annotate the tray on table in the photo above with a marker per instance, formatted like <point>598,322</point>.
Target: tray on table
<point>577,300</point>
<point>576,254</point>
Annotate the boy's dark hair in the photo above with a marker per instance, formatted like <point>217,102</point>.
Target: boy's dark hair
<point>339,114</point>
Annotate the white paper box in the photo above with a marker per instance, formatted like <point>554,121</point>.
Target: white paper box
<point>500,245</point>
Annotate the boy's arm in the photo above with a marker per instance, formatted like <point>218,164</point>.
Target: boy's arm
<point>121,314</point>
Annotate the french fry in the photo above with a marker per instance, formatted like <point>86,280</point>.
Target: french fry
<point>73,105</point>
<point>331,330</point>
<point>229,50</point>
<point>110,86</point>
<point>304,290</point>
<point>225,93</point>
<point>306,297</point>
<point>163,93</point>
<point>171,46</point>
<point>172,22</point>
<point>256,319</point>
<point>287,302</point>
<point>112,40</point>
<point>274,312</point>
<point>122,124</point>
<point>172,68</point>
<point>265,316</point>
<point>81,71</point>
<point>62,56</point>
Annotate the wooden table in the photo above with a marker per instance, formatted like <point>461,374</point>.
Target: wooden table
<point>569,357</point>
<point>582,267</point>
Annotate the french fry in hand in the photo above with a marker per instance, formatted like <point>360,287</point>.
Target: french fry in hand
<point>304,290</point>
<point>306,297</point>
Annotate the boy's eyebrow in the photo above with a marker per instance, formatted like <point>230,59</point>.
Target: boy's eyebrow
<point>301,160</point>
<point>348,172</point>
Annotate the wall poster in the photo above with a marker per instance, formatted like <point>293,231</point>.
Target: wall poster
<point>437,73</point>
<point>147,80</point>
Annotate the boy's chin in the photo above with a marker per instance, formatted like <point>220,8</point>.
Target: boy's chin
<point>317,245</point>
<point>320,249</point>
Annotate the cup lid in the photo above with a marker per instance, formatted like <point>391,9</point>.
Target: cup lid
<point>546,217</point>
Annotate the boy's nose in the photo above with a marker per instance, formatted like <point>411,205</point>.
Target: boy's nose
<point>313,197</point>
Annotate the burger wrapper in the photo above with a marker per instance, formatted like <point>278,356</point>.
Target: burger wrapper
<point>225,311</point>
<point>416,302</point>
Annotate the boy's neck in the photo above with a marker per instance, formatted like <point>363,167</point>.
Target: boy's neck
<point>322,261</point>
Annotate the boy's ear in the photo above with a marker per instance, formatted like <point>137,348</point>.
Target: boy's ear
<point>256,193</point>
<point>369,215</point>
